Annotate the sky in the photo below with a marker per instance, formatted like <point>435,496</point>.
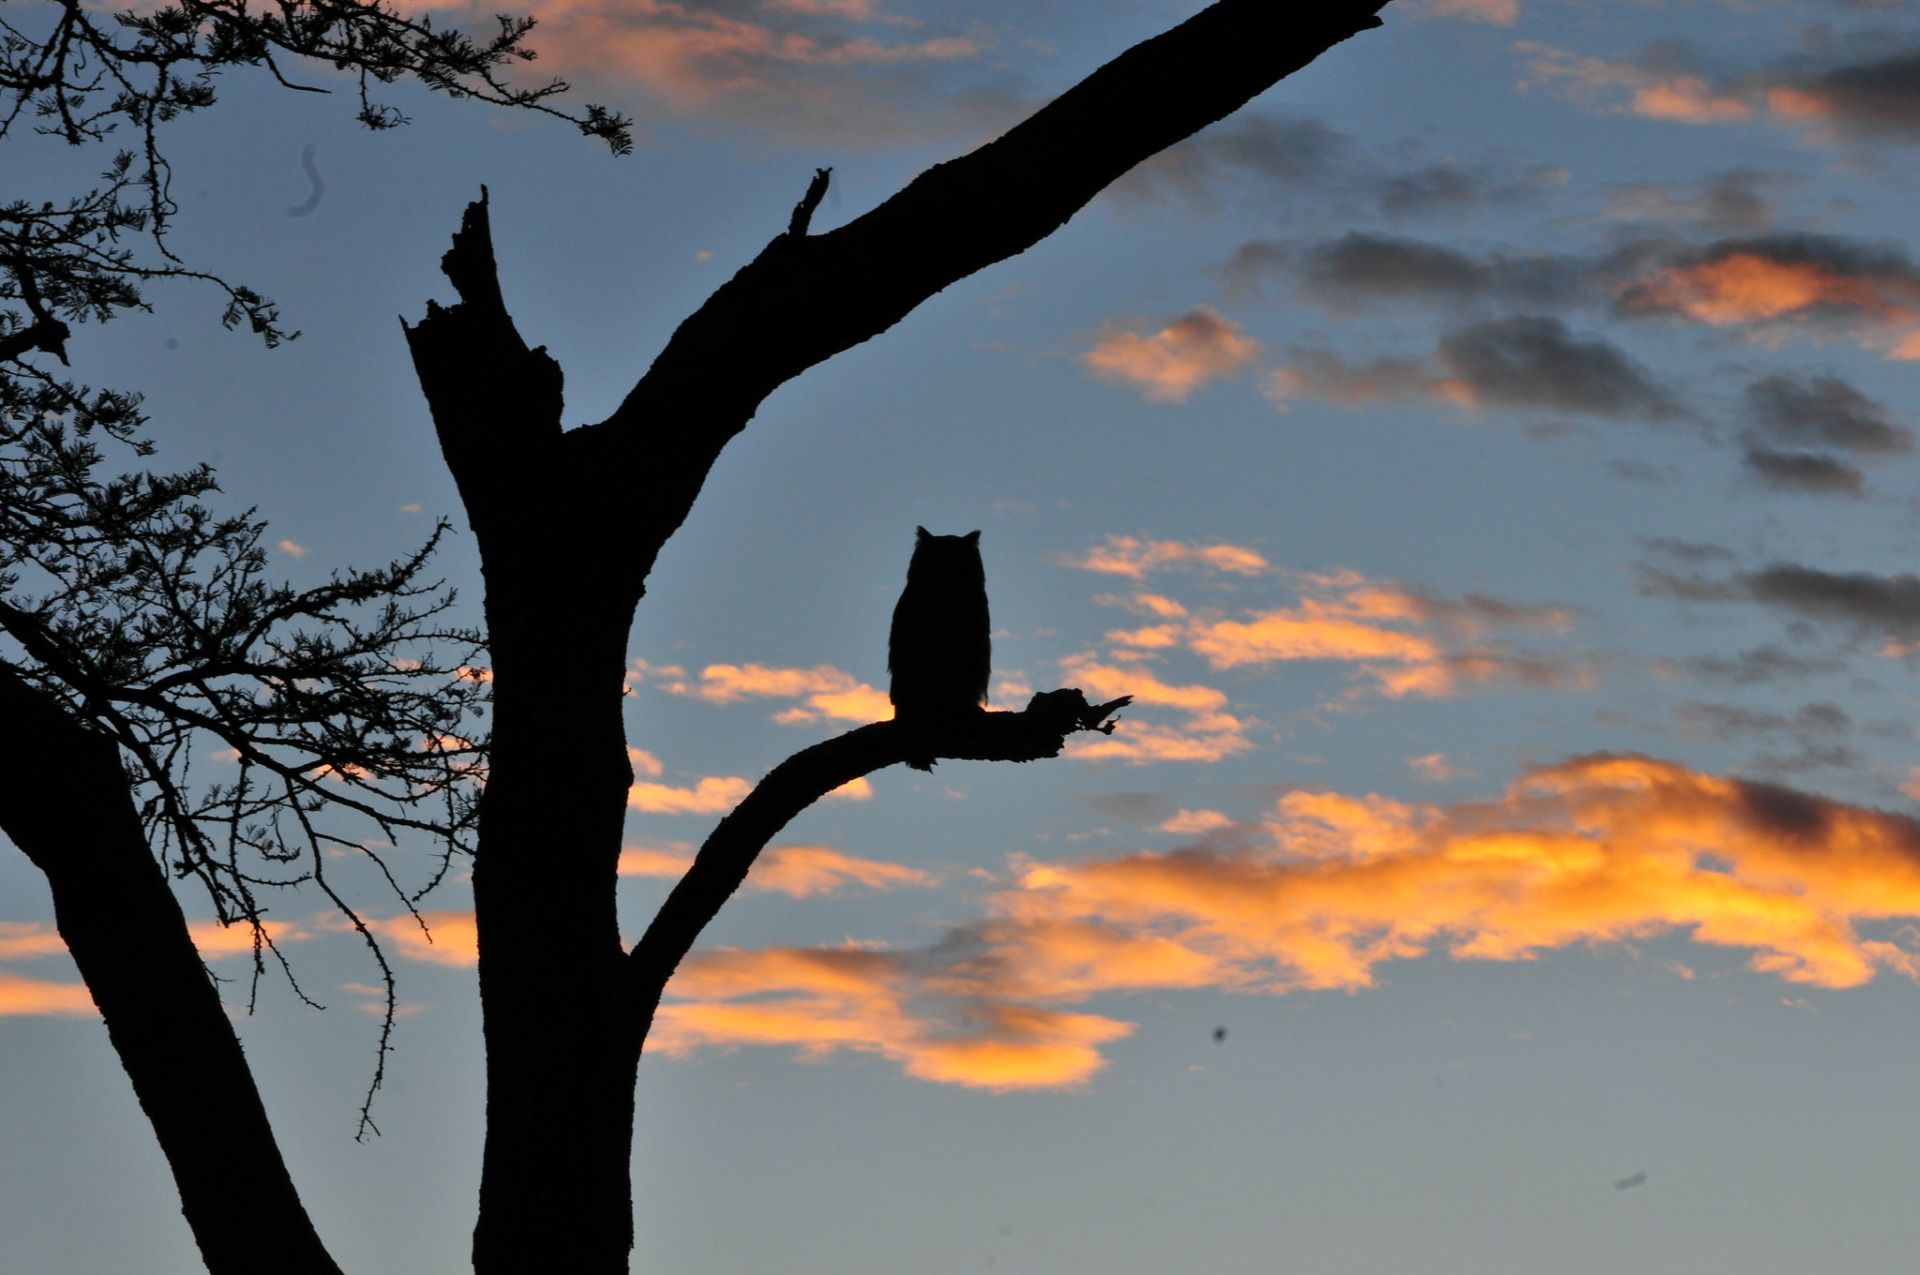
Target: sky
<point>1488,460</point>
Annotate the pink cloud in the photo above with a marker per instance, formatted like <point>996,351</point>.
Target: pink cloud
<point>1167,366</point>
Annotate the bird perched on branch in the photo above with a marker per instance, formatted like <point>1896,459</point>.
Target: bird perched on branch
<point>941,647</point>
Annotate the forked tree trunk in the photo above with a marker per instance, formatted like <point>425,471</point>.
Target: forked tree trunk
<point>569,525</point>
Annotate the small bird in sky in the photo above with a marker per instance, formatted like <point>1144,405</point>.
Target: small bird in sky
<point>1219,1034</point>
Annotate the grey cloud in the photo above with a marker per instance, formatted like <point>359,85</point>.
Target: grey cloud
<point>1755,667</point>
<point>1812,473</point>
<point>1728,202</point>
<point>1879,604</point>
<point>1455,187</point>
<point>1528,361</point>
<point>1730,721</point>
<point>1862,283</point>
<point>1687,550</point>
<point>1871,98</point>
<point>1358,268</point>
<point>1872,605</point>
<point>1823,410</point>
<point>1266,148</point>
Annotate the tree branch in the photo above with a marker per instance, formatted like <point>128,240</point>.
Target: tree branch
<point>496,404</point>
<point>1039,731</point>
<point>805,299</point>
<point>65,801</point>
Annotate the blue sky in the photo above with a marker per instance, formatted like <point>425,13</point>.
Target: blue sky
<point>1488,458</point>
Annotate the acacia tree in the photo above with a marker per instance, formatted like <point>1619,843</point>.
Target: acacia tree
<point>569,524</point>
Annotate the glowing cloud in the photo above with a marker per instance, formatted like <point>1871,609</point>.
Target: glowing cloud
<point>1648,88</point>
<point>828,693</point>
<point>827,1000</point>
<point>1127,556</point>
<point>801,871</point>
<point>450,938</point>
<point>794,64</point>
<point>32,996</point>
<point>1597,850</point>
<point>1170,364</point>
<point>25,940</point>
<point>713,795</point>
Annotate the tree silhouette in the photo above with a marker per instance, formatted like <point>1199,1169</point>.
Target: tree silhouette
<point>569,524</point>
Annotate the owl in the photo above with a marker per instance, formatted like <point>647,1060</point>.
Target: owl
<point>941,645</point>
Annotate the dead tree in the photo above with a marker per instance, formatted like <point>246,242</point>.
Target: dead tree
<point>569,523</point>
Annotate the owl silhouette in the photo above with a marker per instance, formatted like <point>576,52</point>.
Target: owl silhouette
<point>941,646</point>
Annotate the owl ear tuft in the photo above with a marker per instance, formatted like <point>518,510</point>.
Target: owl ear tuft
<point>924,533</point>
<point>972,537</point>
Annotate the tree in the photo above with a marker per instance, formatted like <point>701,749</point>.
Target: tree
<point>569,525</point>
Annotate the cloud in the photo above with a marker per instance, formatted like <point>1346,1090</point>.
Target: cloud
<point>1362,269</point>
<point>293,550</point>
<point>1208,732</point>
<point>449,937</point>
<point>714,794</point>
<point>1884,606</point>
<point>802,871</point>
<point>1661,84</point>
<point>1855,101</point>
<point>1196,822</point>
<point>1270,149</point>
<point>1823,411</point>
<point>26,940</point>
<point>671,860</point>
<point>823,1001</point>
<point>1167,366</point>
<point>799,871</point>
<point>1127,556</point>
<point>1342,616</point>
<point>1523,362</point>
<point>1499,13</point>
<point>216,940</point>
<point>1814,473</point>
<point>828,693</point>
<point>817,68</point>
<point>1868,293</point>
<point>1436,768</point>
<point>1728,202</point>
<point>33,996</point>
<point>1756,667</point>
<point>1597,850</point>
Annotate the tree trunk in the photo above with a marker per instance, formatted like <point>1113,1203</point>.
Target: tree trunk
<point>67,804</point>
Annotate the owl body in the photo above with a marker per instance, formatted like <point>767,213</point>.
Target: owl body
<point>941,646</point>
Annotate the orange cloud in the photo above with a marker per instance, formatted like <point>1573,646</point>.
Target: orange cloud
<point>1649,90</point>
<point>1127,556</point>
<point>714,794</point>
<point>826,1000</point>
<point>1597,850</point>
<point>216,940</point>
<point>32,996</point>
<point>801,871</point>
<point>1170,364</point>
<point>450,938</point>
<point>25,940</point>
<point>1498,13</point>
<point>1342,616</point>
<point>1208,734</point>
<point>828,692</point>
<point>1874,298</point>
<point>649,861</point>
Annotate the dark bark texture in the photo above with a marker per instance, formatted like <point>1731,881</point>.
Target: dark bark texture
<point>67,804</point>
<point>569,525</point>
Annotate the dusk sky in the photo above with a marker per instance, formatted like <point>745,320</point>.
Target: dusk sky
<point>1489,462</point>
